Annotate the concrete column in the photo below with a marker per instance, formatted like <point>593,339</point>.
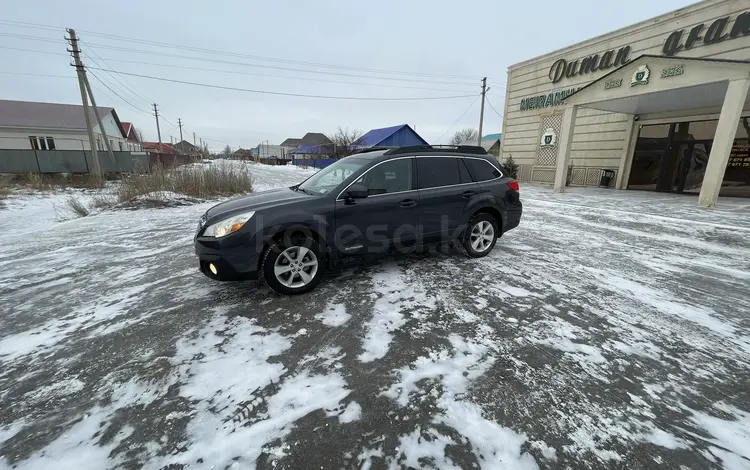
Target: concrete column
<point>729,119</point>
<point>626,159</point>
<point>563,147</point>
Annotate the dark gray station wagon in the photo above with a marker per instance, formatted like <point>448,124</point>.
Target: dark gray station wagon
<point>372,202</point>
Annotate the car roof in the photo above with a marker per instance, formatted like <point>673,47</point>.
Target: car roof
<point>378,154</point>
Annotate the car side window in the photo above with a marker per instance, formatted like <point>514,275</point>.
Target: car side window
<point>463,172</point>
<point>389,177</point>
<point>481,170</point>
<point>433,172</point>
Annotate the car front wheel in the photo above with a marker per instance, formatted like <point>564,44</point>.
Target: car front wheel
<point>294,266</point>
<point>481,235</point>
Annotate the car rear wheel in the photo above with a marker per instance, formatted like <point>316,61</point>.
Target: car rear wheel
<point>481,235</point>
<point>293,266</point>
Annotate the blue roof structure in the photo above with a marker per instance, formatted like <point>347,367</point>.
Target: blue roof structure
<point>309,149</point>
<point>394,136</point>
<point>498,136</point>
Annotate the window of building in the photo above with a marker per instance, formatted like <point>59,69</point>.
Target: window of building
<point>389,177</point>
<point>433,172</point>
<point>42,143</point>
<point>481,170</point>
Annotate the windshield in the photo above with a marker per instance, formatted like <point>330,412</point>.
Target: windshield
<point>330,177</point>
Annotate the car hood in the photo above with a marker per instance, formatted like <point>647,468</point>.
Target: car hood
<point>257,201</point>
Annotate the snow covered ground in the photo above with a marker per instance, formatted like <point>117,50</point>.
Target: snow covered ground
<point>611,329</point>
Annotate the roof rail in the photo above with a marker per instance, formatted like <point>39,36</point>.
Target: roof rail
<point>473,149</point>
<point>371,149</point>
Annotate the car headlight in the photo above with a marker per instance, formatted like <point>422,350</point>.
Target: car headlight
<point>227,226</point>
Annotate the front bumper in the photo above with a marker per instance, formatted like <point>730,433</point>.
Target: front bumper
<point>235,258</point>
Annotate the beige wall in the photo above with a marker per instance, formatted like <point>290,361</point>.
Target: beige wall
<point>599,139</point>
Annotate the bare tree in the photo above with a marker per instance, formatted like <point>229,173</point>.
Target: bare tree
<point>463,135</point>
<point>139,134</point>
<point>227,151</point>
<point>345,142</point>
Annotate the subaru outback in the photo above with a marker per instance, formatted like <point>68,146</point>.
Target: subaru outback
<point>373,202</point>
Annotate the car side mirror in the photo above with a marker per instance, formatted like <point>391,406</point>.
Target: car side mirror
<point>357,191</point>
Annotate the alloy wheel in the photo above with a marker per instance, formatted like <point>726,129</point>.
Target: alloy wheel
<point>482,236</point>
<point>296,267</point>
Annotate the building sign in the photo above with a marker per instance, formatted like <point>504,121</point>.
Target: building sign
<point>640,76</point>
<point>715,33</point>
<point>549,138</point>
<point>564,69</point>
<point>614,83</point>
<point>672,71</point>
<point>739,157</point>
<point>548,100</point>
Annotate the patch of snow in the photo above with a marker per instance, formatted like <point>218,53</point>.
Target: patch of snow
<point>397,295</point>
<point>493,445</point>
<point>364,459</point>
<point>732,435</point>
<point>352,412</point>
<point>77,447</point>
<point>334,315</point>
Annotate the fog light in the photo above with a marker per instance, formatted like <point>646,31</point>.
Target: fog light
<point>213,269</point>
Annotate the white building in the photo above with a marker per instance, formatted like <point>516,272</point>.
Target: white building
<point>54,126</point>
<point>662,104</point>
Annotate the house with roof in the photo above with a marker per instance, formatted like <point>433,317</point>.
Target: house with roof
<point>490,142</point>
<point>56,126</point>
<point>131,135</point>
<point>153,147</point>
<point>186,148</point>
<point>313,144</point>
<point>289,145</point>
<point>395,136</point>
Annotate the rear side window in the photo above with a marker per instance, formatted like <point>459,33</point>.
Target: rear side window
<point>481,170</point>
<point>433,172</point>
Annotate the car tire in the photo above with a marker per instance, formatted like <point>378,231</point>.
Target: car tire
<point>293,266</point>
<point>481,235</point>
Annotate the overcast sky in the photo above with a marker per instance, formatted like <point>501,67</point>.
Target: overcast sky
<point>431,42</point>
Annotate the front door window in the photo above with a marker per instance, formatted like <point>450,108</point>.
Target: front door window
<point>393,176</point>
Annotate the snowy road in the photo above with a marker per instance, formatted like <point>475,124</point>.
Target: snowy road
<point>610,330</point>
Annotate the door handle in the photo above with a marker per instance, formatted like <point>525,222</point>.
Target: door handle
<point>468,194</point>
<point>408,203</point>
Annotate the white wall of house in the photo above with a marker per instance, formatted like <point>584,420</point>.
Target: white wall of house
<point>18,138</point>
<point>599,138</point>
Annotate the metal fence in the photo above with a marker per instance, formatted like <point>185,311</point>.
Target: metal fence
<point>70,161</point>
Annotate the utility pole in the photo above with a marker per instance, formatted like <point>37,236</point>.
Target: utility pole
<point>158,131</point>
<point>179,123</point>
<point>82,85</point>
<point>194,139</point>
<point>481,112</point>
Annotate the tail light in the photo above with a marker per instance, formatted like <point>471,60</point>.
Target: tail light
<point>514,185</point>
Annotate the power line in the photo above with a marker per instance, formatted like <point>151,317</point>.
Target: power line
<point>245,64</point>
<point>459,119</point>
<point>493,108</point>
<point>127,85</point>
<point>118,84</point>
<point>116,94</point>
<point>187,67</point>
<point>235,54</point>
<point>266,92</point>
<point>37,75</point>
